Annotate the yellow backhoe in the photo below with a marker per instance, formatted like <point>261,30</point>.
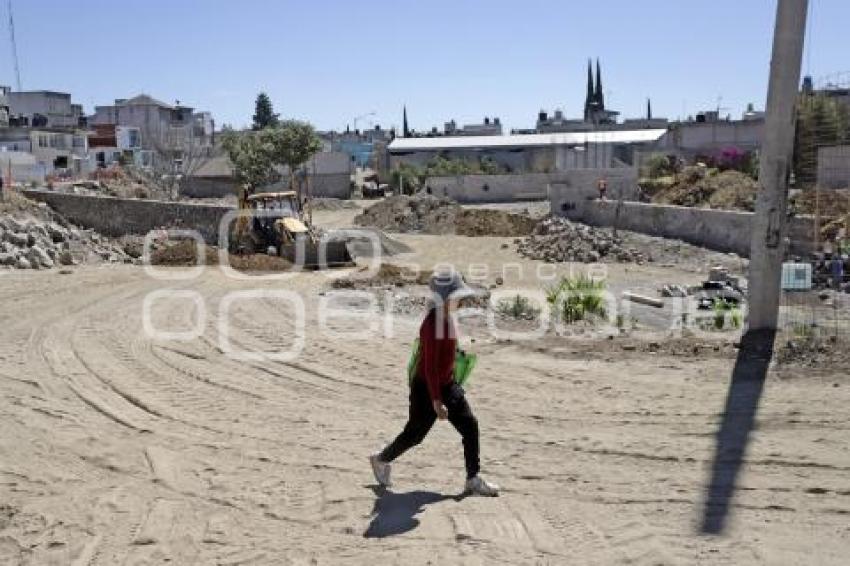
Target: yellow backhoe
<point>275,223</point>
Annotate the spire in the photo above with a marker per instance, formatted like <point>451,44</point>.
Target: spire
<point>648,109</point>
<point>405,130</point>
<point>600,98</point>
<point>588,99</point>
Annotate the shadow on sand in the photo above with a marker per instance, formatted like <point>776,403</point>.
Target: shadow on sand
<point>742,401</point>
<point>395,513</point>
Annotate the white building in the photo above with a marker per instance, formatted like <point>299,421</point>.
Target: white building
<point>531,153</point>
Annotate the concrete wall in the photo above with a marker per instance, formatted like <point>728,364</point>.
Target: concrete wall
<point>693,137</point>
<point>24,167</point>
<point>331,185</point>
<point>578,184</point>
<point>834,167</point>
<point>117,217</point>
<point>721,230</point>
<point>209,187</point>
<point>543,159</point>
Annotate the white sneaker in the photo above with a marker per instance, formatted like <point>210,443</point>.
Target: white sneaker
<point>381,470</point>
<point>479,486</point>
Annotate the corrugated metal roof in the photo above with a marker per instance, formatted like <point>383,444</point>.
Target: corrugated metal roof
<point>525,140</point>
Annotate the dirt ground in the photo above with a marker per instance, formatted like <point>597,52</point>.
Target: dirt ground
<point>123,446</point>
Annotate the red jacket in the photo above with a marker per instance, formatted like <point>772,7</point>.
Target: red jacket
<point>437,353</point>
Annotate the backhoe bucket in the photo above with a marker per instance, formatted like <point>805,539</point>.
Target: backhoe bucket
<point>307,254</point>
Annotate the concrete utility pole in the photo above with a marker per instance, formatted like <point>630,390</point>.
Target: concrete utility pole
<point>769,222</point>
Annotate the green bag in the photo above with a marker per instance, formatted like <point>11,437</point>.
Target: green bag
<point>464,364</point>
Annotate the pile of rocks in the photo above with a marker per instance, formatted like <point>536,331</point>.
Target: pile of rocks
<point>42,244</point>
<point>559,240</point>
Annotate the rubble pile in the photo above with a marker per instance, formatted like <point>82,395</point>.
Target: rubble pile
<point>559,240</point>
<point>486,222</point>
<point>420,213</point>
<point>42,244</point>
<point>428,214</point>
<point>698,187</point>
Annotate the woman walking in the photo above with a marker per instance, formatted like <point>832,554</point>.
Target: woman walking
<point>434,394</point>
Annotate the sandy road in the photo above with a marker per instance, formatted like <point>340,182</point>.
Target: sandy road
<point>119,448</point>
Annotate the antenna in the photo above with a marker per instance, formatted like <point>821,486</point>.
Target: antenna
<point>14,46</point>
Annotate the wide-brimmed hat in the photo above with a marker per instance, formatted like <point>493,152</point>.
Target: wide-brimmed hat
<point>448,284</point>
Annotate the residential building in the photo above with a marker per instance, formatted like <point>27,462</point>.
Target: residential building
<point>56,150</point>
<point>44,109</point>
<point>110,144</point>
<point>557,123</point>
<point>836,87</point>
<point>486,128</point>
<point>708,133</point>
<point>4,106</point>
<point>174,133</point>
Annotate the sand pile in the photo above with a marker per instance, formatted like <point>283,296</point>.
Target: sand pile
<point>559,240</point>
<point>428,214</point>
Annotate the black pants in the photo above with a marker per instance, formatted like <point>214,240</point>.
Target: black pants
<point>422,417</point>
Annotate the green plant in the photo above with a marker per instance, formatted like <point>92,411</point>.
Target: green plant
<point>801,330</point>
<point>658,165</point>
<point>736,318</point>
<point>724,309</point>
<point>250,157</point>
<point>719,320</point>
<point>518,307</point>
<point>264,116</point>
<point>577,298</point>
<point>406,178</point>
<point>292,143</point>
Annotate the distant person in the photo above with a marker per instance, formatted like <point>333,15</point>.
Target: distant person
<point>602,187</point>
<point>434,394</point>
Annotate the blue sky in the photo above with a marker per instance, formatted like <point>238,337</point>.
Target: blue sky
<point>328,61</point>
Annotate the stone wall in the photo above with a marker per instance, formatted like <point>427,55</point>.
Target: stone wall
<point>721,230</point>
<point>117,217</point>
<point>579,183</point>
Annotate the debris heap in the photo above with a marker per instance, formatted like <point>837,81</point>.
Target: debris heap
<point>42,244</point>
<point>559,240</point>
<point>428,214</point>
<point>420,213</point>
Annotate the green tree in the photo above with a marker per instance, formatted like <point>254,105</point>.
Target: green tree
<point>293,143</point>
<point>251,157</point>
<point>264,116</point>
